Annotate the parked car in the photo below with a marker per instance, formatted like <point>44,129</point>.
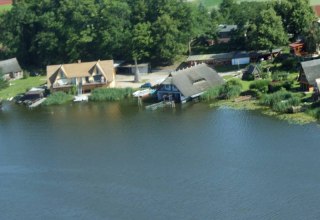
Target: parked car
<point>146,85</point>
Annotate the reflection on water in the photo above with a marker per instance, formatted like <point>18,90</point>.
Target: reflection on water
<point>116,161</point>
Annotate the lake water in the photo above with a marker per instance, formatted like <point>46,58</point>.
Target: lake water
<point>114,161</point>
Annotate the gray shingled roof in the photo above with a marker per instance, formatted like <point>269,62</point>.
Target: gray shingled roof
<point>195,80</point>
<point>10,66</point>
<point>240,54</point>
<point>312,70</point>
<point>227,28</point>
<point>203,57</point>
<point>253,68</point>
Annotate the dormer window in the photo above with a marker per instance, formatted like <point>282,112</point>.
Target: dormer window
<point>199,80</point>
<point>62,75</point>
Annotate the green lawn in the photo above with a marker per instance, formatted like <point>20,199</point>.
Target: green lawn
<point>21,85</point>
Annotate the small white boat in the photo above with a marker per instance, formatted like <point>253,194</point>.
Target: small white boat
<point>80,98</point>
<point>143,93</point>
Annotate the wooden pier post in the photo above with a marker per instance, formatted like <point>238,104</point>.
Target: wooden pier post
<point>140,104</point>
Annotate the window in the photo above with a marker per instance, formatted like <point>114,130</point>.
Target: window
<point>62,75</point>
<point>199,80</point>
<point>167,87</point>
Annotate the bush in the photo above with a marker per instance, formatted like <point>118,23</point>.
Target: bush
<point>247,77</point>
<point>290,64</point>
<point>26,74</point>
<point>264,75</point>
<point>211,94</point>
<point>231,89</point>
<point>73,90</point>
<point>3,83</point>
<point>276,86</point>
<point>260,85</point>
<point>110,94</point>
<point>58,98</point>
<point>279,76</point>
<point>315,113</point>
<point>280,101</point>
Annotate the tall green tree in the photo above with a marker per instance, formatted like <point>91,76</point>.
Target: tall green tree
<point>142,41</point>
<point>297,15</point>
<point>226,9</point>
<point>267,32</point>
<point>312,38</point>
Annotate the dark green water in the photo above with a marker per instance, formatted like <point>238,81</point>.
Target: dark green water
<point>111,161</point>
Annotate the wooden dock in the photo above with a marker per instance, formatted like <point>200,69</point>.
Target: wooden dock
<point>37,103</point>
<point>163,104</point>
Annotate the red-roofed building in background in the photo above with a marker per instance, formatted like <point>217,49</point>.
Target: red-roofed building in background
<point>297,48</point>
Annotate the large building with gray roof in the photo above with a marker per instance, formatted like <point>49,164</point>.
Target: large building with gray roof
<point>10,69</point>
<point>309,73</point>
<point>188,83</point>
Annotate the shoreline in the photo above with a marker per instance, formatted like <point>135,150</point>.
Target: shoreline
<point>252,105</point>
<point>300,118</point>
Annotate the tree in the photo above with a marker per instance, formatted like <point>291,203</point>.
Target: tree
<point>226,9</point>
<point>62,31</point>
<point>267,32</point>
<point>142,41</point>
<point>166,32</point>
<point>312,38</point>
<point>296,15</point>
<point>46,32</point>
<point>3,83</point>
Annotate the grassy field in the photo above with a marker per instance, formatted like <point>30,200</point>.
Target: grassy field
<point>21,85</point>
<point>216,3</point>
<point>5,8</point>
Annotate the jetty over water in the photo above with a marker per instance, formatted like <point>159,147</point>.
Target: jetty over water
<point>37,103</point>
<point>163,104</point>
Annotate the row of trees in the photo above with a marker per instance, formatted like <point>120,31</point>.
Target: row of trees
<point>264,25</point>
<point>56,31</point>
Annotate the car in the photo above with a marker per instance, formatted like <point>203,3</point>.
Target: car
<point>146,85</point>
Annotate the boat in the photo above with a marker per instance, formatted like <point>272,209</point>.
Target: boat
<point>80,98</point>
<point>143,93</point>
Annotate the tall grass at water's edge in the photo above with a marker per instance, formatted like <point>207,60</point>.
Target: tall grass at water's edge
<point>110,94</point>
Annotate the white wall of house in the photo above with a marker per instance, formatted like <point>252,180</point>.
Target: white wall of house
<point>241,61</point>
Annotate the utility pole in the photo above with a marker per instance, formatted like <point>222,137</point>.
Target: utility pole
<point>137,73</point>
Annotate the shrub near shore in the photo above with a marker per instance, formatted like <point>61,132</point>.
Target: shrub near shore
<point>229,90</point>
<point>58,98</point>
<point>110,94</point>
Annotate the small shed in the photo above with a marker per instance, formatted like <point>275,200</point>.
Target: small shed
<point>240,58</point>
<point>253,71</point>
<point>130,69</point>
<point>10,69</point>
<point>211,59</point>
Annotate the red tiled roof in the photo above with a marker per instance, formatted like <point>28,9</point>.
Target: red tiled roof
<point>296,44</point>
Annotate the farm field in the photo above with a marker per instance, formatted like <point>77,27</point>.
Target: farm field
<point>215,3</point>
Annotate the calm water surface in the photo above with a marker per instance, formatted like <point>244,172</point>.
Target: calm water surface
<point>114,161</point>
